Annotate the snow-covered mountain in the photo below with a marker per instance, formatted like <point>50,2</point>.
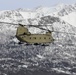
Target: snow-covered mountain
<point>61,10</point>
<point>58,57</point>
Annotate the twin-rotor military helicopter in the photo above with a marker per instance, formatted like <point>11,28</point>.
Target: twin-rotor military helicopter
<point>24,36</point>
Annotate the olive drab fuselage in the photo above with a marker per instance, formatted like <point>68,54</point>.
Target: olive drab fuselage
<point>23,35</point>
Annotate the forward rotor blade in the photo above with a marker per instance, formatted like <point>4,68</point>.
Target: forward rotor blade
<point>23,24</point>
<point>8,23</point>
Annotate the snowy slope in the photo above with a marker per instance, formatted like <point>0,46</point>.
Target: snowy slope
<point>58,57</point>
<point>70,18</point>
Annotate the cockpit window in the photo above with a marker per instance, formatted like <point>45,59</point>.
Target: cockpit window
<point>24,33</point>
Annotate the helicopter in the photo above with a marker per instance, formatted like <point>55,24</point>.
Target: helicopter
<point>24,36</point>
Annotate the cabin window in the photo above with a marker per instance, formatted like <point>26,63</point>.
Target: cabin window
<point>34,37</point>
<point>44,37</point>
<point>40,37</point>
<point>30,37</point>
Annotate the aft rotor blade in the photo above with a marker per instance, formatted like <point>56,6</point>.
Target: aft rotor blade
<point>64,32</point>
<point>52,29</point>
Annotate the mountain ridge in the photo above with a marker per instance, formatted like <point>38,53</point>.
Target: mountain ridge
<point>59,56</point>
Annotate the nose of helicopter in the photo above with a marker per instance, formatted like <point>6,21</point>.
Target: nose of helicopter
<point>19,38</point>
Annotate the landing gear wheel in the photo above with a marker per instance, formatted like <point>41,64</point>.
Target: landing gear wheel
<point>36,44</point>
